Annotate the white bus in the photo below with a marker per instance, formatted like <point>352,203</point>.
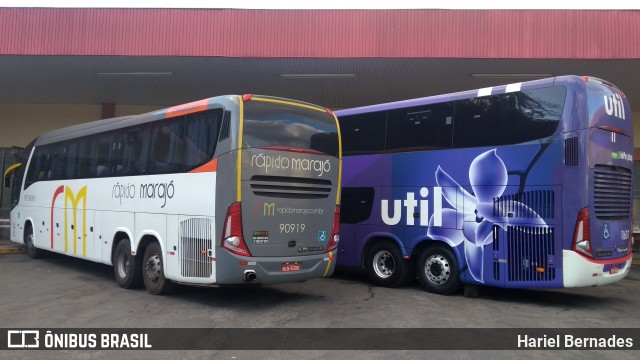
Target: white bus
<point>226,190</point>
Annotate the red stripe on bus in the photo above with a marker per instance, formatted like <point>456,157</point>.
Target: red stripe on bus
<point>184,109</point>
<point>211,166</point>
<point>609,261</point>
<point>615,130</point>
<point>58,191</point>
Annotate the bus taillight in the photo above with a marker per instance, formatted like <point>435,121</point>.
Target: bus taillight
<point>581,237</point>
<point>335,232</point>
<point>232,238</point>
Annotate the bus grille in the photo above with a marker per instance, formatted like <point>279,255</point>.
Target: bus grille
<point>290,187</point>
<point>612,192</point>
<point>530,253</point>
<point>571,151</point>
<point>195,248</point>
<point>540,201</point>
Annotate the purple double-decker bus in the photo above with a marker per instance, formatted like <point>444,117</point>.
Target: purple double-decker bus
<point>526,185</point>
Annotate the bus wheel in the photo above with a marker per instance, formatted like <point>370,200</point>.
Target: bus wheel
<point>31,249</point>
<point>438,270</point>
<point>126,267</point>
<point>153,272</point>
<point>385,265</point>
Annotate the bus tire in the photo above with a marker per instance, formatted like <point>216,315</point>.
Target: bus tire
<point>126,267</point>
<point>385,265</point>
<point>153,271</point>
<point>29,245</point>
<point>438,270</point>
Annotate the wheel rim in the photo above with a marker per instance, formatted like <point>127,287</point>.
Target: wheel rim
<point>437,269</point>
<point>383,264</point>
<point>30,246</point>
<point>123,265</point>
<point>153,268</point>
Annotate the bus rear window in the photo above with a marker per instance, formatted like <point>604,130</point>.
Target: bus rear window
<point>268,124</point>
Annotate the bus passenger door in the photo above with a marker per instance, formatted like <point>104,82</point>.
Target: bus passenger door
<point>94,240</point>
<point>87,247</point>
<point>78,236</point>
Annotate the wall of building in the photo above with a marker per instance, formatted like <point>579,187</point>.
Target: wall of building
<point>488,34</point>
<point>21,123</point>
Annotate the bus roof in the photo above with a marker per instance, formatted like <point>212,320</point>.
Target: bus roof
<point>449,97</point>
<point>99,126</point>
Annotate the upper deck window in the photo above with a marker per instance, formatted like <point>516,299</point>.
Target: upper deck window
<point>510,118</point>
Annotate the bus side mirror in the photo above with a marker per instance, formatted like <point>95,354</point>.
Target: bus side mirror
<point>8,172</point>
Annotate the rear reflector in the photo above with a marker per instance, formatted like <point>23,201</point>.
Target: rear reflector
<point>232,237</point>
<point>335,232</point>
<point>581,236</point>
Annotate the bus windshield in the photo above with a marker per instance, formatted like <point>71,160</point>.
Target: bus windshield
<point>268,125</point>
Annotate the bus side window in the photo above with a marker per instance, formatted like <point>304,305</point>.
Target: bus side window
<point>35,168</point>
<point>145,149</point>
<point>200,134</point>
<point>132,152</point>
<point>77,160</point>
<point>505,119</point>
<point>364,133</point>
<point>482,122</point>
<point>426,127</point>
<point>100,150</point>
<point>58,161</point>
<point>166,152</point>
<point>84,158</point>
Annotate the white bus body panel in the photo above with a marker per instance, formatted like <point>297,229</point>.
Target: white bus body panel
<point>97,209</point>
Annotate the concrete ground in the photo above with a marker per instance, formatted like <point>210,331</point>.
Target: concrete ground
<point>8,247</point>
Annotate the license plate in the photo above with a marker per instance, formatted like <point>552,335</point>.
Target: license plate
<point>613,270</point>
<point>290,267</point>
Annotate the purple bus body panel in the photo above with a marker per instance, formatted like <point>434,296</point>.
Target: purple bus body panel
<point>509,211</point>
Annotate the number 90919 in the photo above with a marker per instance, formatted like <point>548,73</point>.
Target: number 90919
<point>291,228</point>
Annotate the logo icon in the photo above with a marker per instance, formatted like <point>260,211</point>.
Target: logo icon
<point>613,105</point>
<point>322,236</point>
<point>23,339</point>
<point>74,200</point>
<point>269,209</point>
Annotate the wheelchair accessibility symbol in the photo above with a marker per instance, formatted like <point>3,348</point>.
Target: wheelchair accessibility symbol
<point>322,236</point>
<point>606,233</point>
